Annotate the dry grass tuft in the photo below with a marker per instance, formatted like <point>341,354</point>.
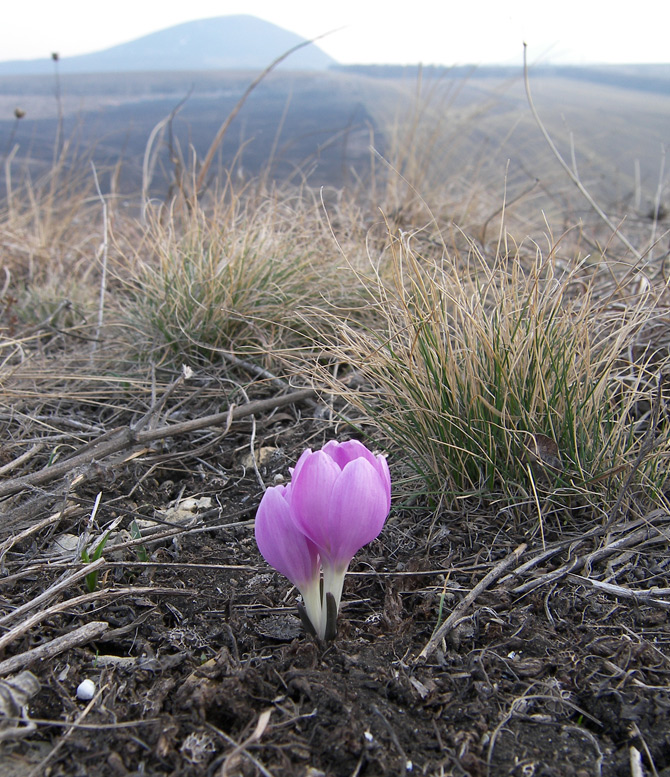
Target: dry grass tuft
<point>231,278</point>
<point>513,376</point>
<point>50,237</point>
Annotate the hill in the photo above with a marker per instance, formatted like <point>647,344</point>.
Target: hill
<point>219,43</point>
<point>318,126</point>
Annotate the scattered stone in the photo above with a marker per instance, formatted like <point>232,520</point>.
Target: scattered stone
<point>86,690</point>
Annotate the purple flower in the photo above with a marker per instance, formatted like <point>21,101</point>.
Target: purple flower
<point>337,501</point>
<point>288,550</point>
<point>340,498</point>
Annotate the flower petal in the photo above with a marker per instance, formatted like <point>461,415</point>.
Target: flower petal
<point>310,495</point>
<point>281,543</point>
<point>344,452</point>
<point>359,506</point>
<point>295,471</point>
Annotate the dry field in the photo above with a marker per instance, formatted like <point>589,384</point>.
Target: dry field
<point>181,317</point>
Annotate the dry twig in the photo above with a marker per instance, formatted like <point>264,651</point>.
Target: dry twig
<point>649,597</point>
<point>112,593</point>
<point>126,438</point>
<point>80,636</point>
<point>83,571</point>
<point>648,532</point>
<point>497,572</point>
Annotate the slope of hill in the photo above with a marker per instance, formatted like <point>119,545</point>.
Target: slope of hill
<point>219,43</point>
<point>311,123</point>
<point>643,78</point>
<point>318,126</point>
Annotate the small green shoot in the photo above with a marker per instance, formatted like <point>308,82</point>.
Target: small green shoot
<point>87,558</point>
<point>140,550</point>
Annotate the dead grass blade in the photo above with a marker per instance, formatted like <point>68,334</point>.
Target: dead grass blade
<point>572,173</point>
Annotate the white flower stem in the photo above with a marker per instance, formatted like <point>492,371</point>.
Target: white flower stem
<point>333,582</point>
<point>311,596</point>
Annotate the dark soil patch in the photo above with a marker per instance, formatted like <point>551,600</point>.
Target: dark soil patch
<point>211,674</point>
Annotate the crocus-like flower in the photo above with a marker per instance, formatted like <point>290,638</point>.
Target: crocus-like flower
<point>337,501</point>
<point>289,551</point>
<point>340,498</point>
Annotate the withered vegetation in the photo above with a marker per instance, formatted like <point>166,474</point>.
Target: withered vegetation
<point>163,359</point>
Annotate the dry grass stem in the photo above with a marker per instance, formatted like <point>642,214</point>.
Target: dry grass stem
<point>126,439</point>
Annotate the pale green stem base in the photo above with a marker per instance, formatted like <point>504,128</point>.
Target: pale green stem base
<point>311,596</point>
<point>315,600</point>
<point>333,582</point>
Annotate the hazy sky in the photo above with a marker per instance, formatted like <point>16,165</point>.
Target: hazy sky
<point>429,31</point>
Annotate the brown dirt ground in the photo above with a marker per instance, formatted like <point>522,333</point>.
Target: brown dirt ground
<point>212,675</point>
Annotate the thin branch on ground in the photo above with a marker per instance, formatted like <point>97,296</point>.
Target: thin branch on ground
<point>13,539</point>
<point>458,611</point>
<point>112,593</point>
<point>73,577</point>
<point>647,533</point>
<point>22,459</point>
<point>649,597</point>
<point>126,438</point>
<point>80,636</point>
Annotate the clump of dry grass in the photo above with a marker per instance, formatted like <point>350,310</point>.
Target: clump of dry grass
<point>50,235</point>
<point>232,278</point>
<point>513,376</point>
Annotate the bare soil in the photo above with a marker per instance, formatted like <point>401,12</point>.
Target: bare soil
<point>204,668</point>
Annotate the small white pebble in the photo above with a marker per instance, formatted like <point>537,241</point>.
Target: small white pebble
<point>86,690</point>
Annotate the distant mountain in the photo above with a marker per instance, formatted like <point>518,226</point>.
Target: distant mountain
<point>220,43</point>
